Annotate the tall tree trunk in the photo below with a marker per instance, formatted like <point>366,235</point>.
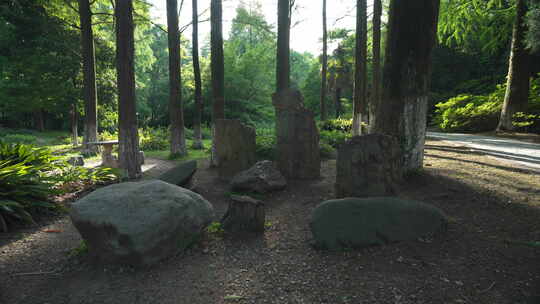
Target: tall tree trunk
<point>127,118</point>
<point>176,107</point>
<point>283,52</point>
<point>74,125</point>
<point>518,83</point>
<point>360,73</point>
<point>218,70</point>
<point>197,132</point>
<point>411,37</point>
<point>39,120</point>
<point>338,102</point>
<point>89,78</point>
<point>324,65</point>
<point>376,84</point>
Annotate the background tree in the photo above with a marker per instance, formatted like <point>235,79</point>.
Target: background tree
<point>89,77</point>
<point>517,89</point>
<point>283,50</point>
<point>412,31</point>
<point>176,108</point>
<point>197,114</point>
<point>360,72</point>
<point>128,151</point>
<point>324,64</point>
<point>376,61</point>
<point>217,66</point>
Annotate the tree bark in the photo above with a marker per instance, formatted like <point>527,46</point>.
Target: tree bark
<point>324,65</point>
<point>411,37</point>
<point>39,120</point>
<point>128,150</point>
<point>516,97</point>
<point>74,125</point>
<point>197,132</point>
<point>218,70</point>
<point>283,52</point>
<point>338,102</point>
<point>176,107</point>
<point>360,73</point>
<point>376,84</point>
<point>89,78</point>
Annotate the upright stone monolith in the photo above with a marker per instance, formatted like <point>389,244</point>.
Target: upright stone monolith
<point>297,151</point>
<point>235,147</point>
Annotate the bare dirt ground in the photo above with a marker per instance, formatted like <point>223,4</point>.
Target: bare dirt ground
<point>492,206</point>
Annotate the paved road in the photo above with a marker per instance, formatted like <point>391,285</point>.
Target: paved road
<point>519,152</point>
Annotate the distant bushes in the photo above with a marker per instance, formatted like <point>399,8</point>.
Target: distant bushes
<point>478,113</point>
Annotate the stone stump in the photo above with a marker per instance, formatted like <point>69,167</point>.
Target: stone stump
<point>235,147</point>
<point>245,214</point>
<point>368,166</point>
<point>297,151</point>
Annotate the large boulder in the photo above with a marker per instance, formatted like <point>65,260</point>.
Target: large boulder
<point>180,175</point>
<point>297,146</point>
<point>235,147</point>
<point>140,223</point>
<point>368,166</point>
<point>260,178</point>
<point>356,222</point>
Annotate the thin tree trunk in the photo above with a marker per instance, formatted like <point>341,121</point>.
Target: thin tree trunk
<point>218,70</point>
<point>197,132</point>
<point>376,84</point>
<point>338,102</point>
<point>127,118</point>
<point>89,77</point>
<point>360,73</point>
<point>324,65</point>
<point>74,125</point>
<point>176,111</point>
<point>283,52</point>
<point>516,97</point>
<point>39,120</point>
<point>411,37</point>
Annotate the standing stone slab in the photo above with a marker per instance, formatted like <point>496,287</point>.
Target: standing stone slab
<point>235,147</point>
<point>140,223</point>
<point>297,151</point>
<point>356,223</point>
<point>368,166</point>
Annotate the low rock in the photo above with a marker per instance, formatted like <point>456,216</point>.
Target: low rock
<point>260,178</point>
<point>180,175</point>
<point>140,223</point>
<point>356,223</point>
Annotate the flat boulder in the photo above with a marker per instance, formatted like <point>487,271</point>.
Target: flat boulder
<point>361,222</point>
<point>180,175</point>
<point>140,223</point>
<point>260,178</point>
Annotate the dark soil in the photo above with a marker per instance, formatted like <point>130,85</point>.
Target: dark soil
<point>492,206</point>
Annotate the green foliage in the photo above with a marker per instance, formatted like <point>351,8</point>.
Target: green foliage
<point>154,139</point>
<point>338,124</point>
<point>215,229</point>
<point>468,113</point>
<point>19,138</point>
<point>265,144</point>
<point>30,176</point>
<point>327,151</point>
<point>80,250</point>
<point>533,24</point>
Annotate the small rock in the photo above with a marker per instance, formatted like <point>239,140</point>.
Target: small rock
<point>260,178</point>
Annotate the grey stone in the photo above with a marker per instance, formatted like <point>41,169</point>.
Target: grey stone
<point>356,222</point>
<point>140,223</point>
<point>260,178</point>
<point>235,147</point>
<point>76,160</point>
<point>368,166</point>
<point>180,175</point>
<point>297,147</point>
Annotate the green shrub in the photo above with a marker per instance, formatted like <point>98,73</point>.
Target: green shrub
<point>335,138</point>
<point>154,139</point>
<point>265,146</point>
<point>339,124</point>
<point>30,176</point>
<point>327,151</point>
<point>19,138</point>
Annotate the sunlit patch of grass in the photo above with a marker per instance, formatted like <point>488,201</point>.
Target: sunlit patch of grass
<point>192,153</point>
